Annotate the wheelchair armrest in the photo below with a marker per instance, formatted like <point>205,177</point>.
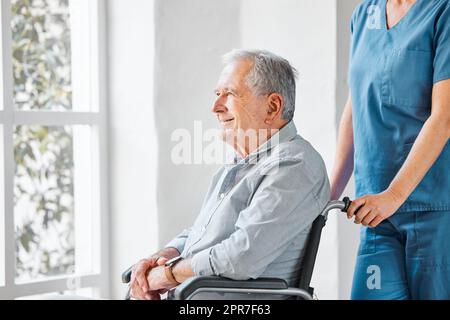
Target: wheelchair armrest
<point>126,275</point>
<point>184,290</point>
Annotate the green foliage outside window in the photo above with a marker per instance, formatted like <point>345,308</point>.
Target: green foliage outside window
<point>43,184</point>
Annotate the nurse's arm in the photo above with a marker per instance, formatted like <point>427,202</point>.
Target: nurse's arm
<point>343,163</point>
<point>428,146</point>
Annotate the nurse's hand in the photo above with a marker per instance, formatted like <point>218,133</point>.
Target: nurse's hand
<point>371,210</point>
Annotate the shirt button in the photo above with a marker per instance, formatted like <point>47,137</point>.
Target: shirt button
<point>203,228</point>
<point>222,195</point>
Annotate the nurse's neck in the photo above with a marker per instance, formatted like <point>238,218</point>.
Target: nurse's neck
<point>402,3</point>
<point>396,10</point>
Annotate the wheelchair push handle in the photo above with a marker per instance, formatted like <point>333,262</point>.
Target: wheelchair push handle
<point>336,204</point>
<point>347,203</point>
<point>126,275</point>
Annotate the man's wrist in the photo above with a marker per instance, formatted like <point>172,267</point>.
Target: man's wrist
<point>183,270</point>
<point>168,269</point>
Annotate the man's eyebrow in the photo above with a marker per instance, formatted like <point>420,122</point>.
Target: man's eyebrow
<point>233,90</point>
<point>226,89</point>
<point>223,89</point>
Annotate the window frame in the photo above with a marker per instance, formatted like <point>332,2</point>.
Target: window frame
<point>97,119</point>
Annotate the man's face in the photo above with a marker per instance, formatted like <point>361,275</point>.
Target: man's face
<point>236,107</point>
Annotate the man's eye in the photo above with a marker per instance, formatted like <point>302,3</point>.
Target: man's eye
<point>226,93</point>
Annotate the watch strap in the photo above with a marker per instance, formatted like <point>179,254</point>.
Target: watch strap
<point>169,274</point>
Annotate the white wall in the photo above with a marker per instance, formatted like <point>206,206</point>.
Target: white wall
<point>191,36</point>
<point>133,144</point>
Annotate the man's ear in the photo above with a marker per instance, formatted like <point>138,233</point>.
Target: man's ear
<point>275,105</point>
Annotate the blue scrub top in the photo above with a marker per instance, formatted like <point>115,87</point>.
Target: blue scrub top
<point>391,77</point>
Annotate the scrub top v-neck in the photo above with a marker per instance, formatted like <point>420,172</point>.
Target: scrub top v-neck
<point>391,78</point>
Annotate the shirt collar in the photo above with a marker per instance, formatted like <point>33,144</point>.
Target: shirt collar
<point>287,133</point>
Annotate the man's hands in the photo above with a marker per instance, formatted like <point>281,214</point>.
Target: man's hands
<point>158,281</point>
<point>140,288</point>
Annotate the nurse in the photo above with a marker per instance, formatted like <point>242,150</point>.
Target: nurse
<point>394,135</point>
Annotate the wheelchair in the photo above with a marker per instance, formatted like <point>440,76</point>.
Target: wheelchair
<point>265,286</point>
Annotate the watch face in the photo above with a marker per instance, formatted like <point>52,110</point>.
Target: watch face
<point>172,261</point>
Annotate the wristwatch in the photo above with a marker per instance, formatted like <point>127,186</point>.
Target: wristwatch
<point>168,268</point>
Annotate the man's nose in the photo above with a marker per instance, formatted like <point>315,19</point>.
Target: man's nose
<point>219,106</point>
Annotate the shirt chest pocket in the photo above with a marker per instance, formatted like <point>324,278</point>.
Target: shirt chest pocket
<point>408,79</point>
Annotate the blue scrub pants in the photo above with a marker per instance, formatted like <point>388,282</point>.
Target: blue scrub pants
<point>406,257</point>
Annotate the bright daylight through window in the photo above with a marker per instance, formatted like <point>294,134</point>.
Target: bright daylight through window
<point>52,122</point>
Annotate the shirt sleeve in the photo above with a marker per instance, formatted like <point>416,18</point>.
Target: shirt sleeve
<point>441,62</point>
<point>179,241</point>
<point>285,204</point>
<point>355,16</point>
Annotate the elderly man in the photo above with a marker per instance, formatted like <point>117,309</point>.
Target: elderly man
<point>258,211</point>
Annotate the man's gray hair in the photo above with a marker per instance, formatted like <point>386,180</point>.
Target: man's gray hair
<point>270,74</point>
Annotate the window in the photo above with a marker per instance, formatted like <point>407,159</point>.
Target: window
<point>53,235</point>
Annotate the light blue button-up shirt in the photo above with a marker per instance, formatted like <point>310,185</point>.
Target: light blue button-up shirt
<point>257,214</point>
